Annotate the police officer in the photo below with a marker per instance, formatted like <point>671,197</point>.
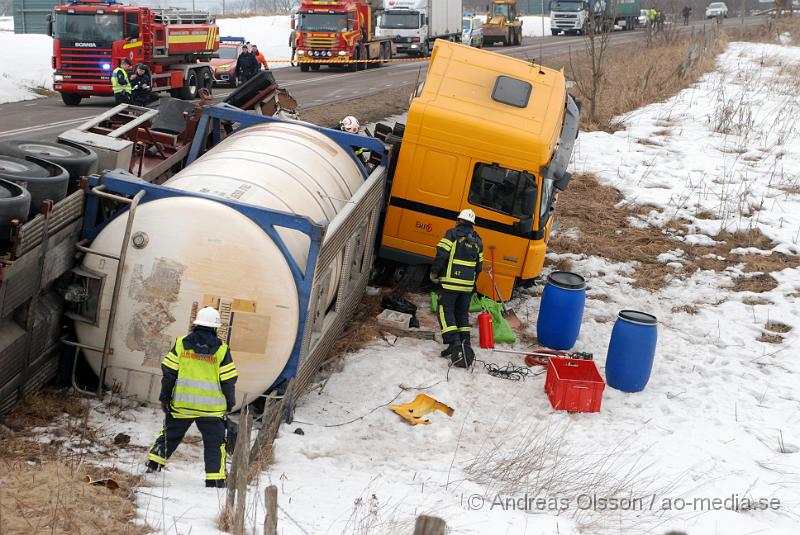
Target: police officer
<point>120,84</point>
<point>198,385</point>
<point>246,65</point>
<point>459,259</point>
<point>142,92</point>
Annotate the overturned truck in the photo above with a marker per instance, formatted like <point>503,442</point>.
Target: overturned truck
<point>276,223</point>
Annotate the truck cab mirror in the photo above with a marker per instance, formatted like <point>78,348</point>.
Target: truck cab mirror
<point>524,226</point>
<point>49,19</point>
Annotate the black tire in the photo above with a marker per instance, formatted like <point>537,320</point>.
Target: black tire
<point>71,99</point>
<point>15,203</point>
<point>316,67</point>
<point>304,67</point>
<point>234,83</point>
<point>207,79</point>
<point>190,86</point>
<point>76,159</point>
<point>43,180</point>
<point>555,32</point>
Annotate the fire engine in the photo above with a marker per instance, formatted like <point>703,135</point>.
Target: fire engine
<point>91,37</point>
<point>340,32</point>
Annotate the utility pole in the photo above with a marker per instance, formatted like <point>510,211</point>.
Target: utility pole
<point>744,7</point>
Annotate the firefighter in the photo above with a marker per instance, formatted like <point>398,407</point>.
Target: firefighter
<point>459,259</point>
<point>198,386</point>
<point>120,83</point>
<point>246,65</point>
<point>262,61</point>
<point>142,92</point>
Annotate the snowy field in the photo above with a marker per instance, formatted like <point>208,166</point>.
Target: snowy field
<point>711,446</point>
<point>19,72</point>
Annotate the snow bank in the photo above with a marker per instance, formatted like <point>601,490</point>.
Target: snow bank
<point>6,24</point>
<point>27,67</point>
<point>535,26</point>
<point>271,34</point>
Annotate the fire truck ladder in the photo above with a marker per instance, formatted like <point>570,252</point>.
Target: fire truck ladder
<point>173,15</point>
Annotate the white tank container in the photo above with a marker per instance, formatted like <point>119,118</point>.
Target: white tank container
<point>201,253</point>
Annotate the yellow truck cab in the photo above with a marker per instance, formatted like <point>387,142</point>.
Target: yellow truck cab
<point>486,132</point>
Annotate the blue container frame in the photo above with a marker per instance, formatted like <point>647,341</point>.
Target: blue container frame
<point>121,182</point>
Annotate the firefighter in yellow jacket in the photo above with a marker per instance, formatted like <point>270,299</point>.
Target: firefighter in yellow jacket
<point>198,386</point>
<point>459,259</point>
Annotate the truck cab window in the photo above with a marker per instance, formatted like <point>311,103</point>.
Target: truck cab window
<point>503,190</point>
<point>132,25</point>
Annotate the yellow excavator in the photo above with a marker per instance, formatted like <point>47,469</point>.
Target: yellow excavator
<point>502,24</point>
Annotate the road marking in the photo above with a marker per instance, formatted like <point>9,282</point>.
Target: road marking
<point>29,129</point>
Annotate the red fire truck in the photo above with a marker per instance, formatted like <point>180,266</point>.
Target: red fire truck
<point>91,37</point>
<point>340,32</point>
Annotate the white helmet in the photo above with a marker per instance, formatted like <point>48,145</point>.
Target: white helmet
<point>208,317</point>
<point>467,215</point>
<point>350,124</point>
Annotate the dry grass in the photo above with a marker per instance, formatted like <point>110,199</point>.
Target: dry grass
<point>42,482</point>
<point>654,73</point>
<point>770,338</point>
<point>752,301</point>
<point>605,231</point>
<point>370,108</point>
<point>777,327</point>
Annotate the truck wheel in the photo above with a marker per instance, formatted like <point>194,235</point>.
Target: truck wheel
<point>304,67</point>
<point>71,99</point>
<point>316,67</point>
<point>76,159</point>
<point>190,86</point>
<point>208,79</point>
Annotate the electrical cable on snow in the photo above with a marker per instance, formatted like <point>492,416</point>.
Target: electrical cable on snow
<point>402,389</point>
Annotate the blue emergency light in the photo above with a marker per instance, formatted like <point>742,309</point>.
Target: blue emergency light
<point>232,40</point>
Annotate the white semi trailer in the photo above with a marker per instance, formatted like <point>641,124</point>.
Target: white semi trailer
<point>414,25</point>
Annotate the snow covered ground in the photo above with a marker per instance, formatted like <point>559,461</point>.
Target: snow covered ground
<point>28,67</point>
<point>717,426</point>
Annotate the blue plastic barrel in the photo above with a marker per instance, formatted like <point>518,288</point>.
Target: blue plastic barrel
<point>561,310</point>
<point>631,351</point>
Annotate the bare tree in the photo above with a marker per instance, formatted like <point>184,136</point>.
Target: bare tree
<point>600,26</point>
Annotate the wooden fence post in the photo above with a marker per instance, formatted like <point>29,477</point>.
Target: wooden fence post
<point>241,460</point>
<point>429,525</point>
<point>271,504</point>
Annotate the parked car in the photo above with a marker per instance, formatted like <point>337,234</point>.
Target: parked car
<point>643,17</point>
<point>224,66</point>
<point>472,31</point>
<point>716,9</point>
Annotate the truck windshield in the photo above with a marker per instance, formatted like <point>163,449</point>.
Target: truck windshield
<point>88,27</point>
<point>228,52</point>
<point>566,6</point>
<point>322,22</point>
<point>402,21</point>
<point>466,24</point>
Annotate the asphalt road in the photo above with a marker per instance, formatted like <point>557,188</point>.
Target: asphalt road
<point>46,118</point>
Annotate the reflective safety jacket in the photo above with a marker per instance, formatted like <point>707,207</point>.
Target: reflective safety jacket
<point>120,81</point>
<point>199,375</point>
<point>459,258</point>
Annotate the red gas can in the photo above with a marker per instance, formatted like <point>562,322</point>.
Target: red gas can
<point>485,330</point>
